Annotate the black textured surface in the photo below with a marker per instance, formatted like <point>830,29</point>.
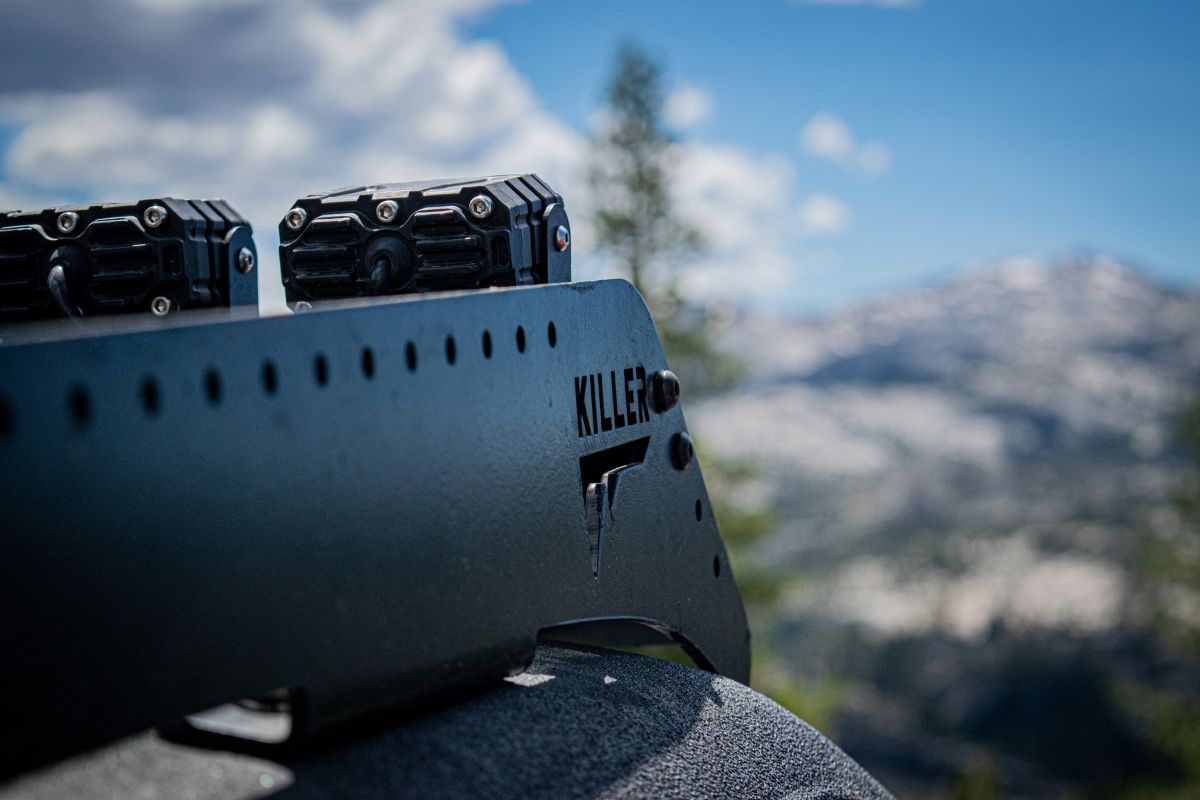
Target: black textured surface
<point>114,263</point>
<point>433,241</point>
<point>372,532</point>
<point>576,724</point>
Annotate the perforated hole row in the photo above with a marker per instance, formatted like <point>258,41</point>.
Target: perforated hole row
<point>716,562</point>
<point>80,405</point>
<point>150,399</point>
<point>270,377</point>
<point>367,360</point>
<point>321,369</point>
<point>212,386</point>
<point>6,418</point>
<point>150,394</point>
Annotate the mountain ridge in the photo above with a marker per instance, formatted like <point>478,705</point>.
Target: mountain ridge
<point>960,478</point>
<point>1031,406</point>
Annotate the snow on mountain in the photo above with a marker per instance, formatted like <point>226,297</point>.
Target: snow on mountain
<point>1029,406</point>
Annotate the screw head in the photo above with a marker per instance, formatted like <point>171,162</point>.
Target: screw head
<point>67,221</point>
<point>682,451</point>
<point>481,206</point>
<point>666,390</point>
<point>296,218</point>
<point>245,260</point>
<point>160,306</point>
<point>562,238</point>
<point>301,306</point>
<point>387,210</point>
<point>154,216</point>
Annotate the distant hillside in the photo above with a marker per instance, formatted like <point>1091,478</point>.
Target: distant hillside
<point>1034,357</point>
<point>1025,394</point>
<point>946,464</point>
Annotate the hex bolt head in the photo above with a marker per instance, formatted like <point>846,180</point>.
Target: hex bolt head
<point>296,218</point>
<point>481,206</point>
<point>666,390</point>
<point>562,238</point>
<point>67,221</point>
<point>160,306</point>
<point>154,216</point>
<point>387,210</point>
<point>245,260</point>
<point>682,451</point>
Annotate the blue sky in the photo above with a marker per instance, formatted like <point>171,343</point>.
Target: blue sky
<point>1015,127</point>
<point>833,151</point>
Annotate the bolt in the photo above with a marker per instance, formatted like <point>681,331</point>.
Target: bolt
<point>387,210</point>
<point>154,216</point>
<point>682,451</point>
<point>301,306</point>
<point>296,218</point>
<point>562,238</point>
<point>245,260</point>
<point>481,206</point>
<point>67,221</point>
<point>160,306</point>
<point>666,390</point>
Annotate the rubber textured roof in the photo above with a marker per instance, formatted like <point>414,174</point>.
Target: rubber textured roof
<point>578,723</point>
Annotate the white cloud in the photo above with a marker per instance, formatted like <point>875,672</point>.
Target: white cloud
<point>101,138</point>
<point>874,158</point>
<point>689,107</point>
<point>366,110</point>
<point>740,203</point>
<point>827,136</point>
<point>339,94</point>
<point>182,6</point>
<point>823,215</point>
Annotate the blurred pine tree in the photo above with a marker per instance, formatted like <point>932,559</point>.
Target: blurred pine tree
<point>1167,580</point>
<point>633,159</point>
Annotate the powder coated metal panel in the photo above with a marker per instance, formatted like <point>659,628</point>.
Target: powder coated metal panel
<point>353,503</point>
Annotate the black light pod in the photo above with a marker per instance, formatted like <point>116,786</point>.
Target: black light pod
<point>156,256</point>
<point>420,236</point>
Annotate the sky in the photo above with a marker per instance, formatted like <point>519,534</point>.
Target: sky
<point>831,152</point>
